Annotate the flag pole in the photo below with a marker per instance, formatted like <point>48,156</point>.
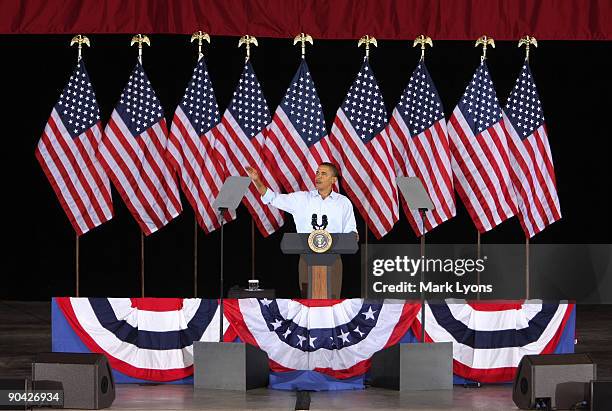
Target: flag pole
<point>195,256</point>
<point>527,268</point>
<point>366,41</point>
<point>139,39</point>
<point>422,213</point>
<point>221,211</point>
<point>76,263</point>
<point>527,41</point>
<point>483,41</point>
<point>249,40</point>
<point>365,235</point>
<point>200,36</point>
<point>478,257</point>
<point>142,265</point>
<point>79,40</point>
<point>252,249</point>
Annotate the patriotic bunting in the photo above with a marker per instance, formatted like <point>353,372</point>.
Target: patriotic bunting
<point>489,339</point>
<point>326,342</point>
<point>146,338</point>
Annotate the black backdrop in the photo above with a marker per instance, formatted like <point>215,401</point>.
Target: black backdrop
<point>38,242</point>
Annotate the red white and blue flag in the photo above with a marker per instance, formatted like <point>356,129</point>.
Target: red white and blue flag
<point>479,154</point>
<point>134,154</point>
<point>67,154</point>
<point>296,140</point>
<point>417,130</point>
<point>145,338</point>
<point>191,148</point>
<point>333,337</point>
<point>360,146</point>
<point>239,141</point>
<point>532,169</point>
<point>489,340</point>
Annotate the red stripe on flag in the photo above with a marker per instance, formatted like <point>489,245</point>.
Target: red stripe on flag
<point>74,170</point>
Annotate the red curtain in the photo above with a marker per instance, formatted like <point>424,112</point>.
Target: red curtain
<point>323,19</point>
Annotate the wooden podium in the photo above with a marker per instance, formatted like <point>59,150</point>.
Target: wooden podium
<point>319,263</point>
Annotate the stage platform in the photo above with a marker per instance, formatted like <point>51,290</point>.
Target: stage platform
<point>25,329</point>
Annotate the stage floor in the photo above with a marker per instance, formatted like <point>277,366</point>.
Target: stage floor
<point>166,397</point>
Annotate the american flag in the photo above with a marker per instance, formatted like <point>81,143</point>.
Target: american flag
<point>420,148</point>
<point>134,154</point>
<point>360,145</point>
<point>67,154</point>
<point>191,148</point>
<point>239,143</point>
<point>479,154</point>
<point>532,169</point>
<point>296,140</point>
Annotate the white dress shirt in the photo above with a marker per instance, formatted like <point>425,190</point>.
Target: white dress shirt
<point>303,204</point>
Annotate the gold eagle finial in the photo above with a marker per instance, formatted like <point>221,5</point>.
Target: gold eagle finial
<point>200,36</point>
<point>484,41</point>
<point>79,40</point>
<point>302,38</point>
<point>247,41</point>
<point>140,39</point>
<point>422,41</point>
<point>367,40</point>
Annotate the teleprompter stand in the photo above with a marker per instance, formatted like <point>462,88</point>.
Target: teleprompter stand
<point>319,264</point>
<point>415,367</point>
<point>221,365</point>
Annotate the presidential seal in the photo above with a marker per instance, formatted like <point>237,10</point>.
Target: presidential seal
<point>320,241</point>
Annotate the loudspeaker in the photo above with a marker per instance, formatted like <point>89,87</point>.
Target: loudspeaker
<point>413,367</point>
<point>558,379</point>
<point>229,366</point>
<point>600,395</point>
<point>86,377</point>
<point>14,385</point>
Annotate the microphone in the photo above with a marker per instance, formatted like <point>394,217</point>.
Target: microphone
<point>314,221</point>
<point>324,218</point>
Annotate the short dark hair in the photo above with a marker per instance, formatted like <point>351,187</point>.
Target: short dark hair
<point>333,168</point>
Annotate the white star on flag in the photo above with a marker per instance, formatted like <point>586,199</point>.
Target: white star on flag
<point>358,331</point>
<point>312,340</point>
<point>344,336</point>
<point>301,338</point>
<point>369,315</point>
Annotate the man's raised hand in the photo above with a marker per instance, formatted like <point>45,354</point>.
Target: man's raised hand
<point>254,174</point>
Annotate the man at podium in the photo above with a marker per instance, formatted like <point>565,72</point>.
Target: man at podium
<point>305,205</point>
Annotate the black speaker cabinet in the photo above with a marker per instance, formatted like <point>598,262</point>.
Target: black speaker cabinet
<point>600,398</point>
<point>13,385</point>
<point>560,379</point>
<point>87,378</point>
